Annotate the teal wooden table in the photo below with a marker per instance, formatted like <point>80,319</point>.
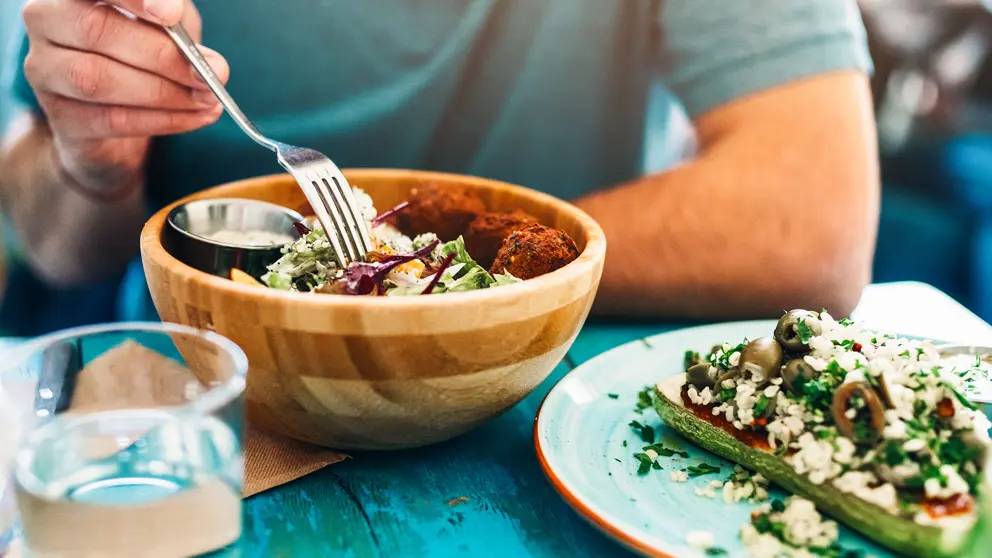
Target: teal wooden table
<point>484,494</point>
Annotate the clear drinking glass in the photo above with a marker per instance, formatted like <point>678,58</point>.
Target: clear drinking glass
<point>130,441</point>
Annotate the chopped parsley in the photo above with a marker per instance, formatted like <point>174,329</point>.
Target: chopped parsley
<point>804,331</point>
<point>929,472</point>
<point>818,393</point>
<point>691,358</point>
<point>763,524</point>
<point>625,443</point>
<point>762,405</point>
<point>645,463</point>
<point>778,506</point>
<point>956,452</point>
<point>848,344</point>
<point>846,322</point>
<point>835,369</point>
<point>645,432</point>
<point>613,396</point>
<point>727,394</point>
<point>644,399</point>
<point>823,434</point>
<point>723,361</point>
<point>665,452</point>
<point>893,454</point>
<point>961,399</point>
<point>716,551</point>
<point>701,469</point>
<point>916,428</point>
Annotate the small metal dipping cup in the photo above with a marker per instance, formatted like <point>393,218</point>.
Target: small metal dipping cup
<point>189,226</point>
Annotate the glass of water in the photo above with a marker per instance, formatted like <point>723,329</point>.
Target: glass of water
<point>130,441</point>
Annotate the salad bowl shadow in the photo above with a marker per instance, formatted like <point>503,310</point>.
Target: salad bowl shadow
<point>380,373</point>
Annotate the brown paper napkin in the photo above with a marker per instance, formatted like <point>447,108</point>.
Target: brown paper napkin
<point>140,376</point>
<point>272,460</point>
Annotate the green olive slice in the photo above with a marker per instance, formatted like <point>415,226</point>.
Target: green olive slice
<point>796,373</point>
<point>787,330</point>
<point>842,402</point>
<point>701,375</point>
<point>883,391</point>
<point>762,356</point>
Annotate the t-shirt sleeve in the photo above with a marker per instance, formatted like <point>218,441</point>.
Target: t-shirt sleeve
<point>15,80</point>
<point>716,51</point>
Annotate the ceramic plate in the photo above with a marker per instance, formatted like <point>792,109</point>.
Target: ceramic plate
<point>580,434</point>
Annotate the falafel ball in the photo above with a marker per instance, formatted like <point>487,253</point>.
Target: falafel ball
<point>534,251</point>
<point>443,210</point>
<point>485,235</point>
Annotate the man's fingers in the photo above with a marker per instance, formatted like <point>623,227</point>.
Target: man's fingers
<point>192,22</point>
<point>161,12</point>
<point>85,26</point>
<point>92,78</point>
<point>77,120</point>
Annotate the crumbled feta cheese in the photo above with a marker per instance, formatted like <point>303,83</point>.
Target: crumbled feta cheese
<point>817,364</point>
<point>679,476</point>
<point>745,486</point>
<point>803,529</point>
<point>844,450</point>
<point>859,483</point>
<point>955,484</point>
<point>814,459</point>
<point>895,429</point>
<point>699,539</point>
<point>914,445</point>
<point>709,491</point>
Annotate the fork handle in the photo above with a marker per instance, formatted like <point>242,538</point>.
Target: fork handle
<point>188,47</point>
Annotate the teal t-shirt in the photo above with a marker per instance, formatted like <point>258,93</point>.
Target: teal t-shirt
<point>564,96</point>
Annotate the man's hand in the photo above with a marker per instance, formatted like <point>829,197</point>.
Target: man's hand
<point>109,79</point>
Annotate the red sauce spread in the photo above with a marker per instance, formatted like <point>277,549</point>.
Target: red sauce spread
<point>955,505</point>
<point>754,438</point>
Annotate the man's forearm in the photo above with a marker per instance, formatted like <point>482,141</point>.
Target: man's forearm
<point>776,213</point>
<point>69,237</point>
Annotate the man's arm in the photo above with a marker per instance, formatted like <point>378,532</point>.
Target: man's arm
<point>103,84</point>
<point>68,237</point>
<point>779,210</point>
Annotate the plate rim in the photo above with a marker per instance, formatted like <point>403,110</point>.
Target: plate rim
<point>571,497</point>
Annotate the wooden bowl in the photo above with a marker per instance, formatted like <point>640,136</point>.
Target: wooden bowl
<point>385,373</point>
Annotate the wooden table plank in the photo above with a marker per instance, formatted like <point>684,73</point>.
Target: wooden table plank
<point>413,501</point>
<point>599,337</point>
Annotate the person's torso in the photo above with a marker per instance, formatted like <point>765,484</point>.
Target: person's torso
<point>549,94</point>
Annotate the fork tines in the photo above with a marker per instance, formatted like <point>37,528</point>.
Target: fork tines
<point>334,202</point>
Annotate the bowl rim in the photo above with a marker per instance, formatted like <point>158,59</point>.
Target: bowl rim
<point>591,257</point>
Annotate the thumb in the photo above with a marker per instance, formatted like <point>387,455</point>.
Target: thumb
<point>162,12</point>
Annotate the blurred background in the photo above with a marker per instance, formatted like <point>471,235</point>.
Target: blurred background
<point>933,91</point>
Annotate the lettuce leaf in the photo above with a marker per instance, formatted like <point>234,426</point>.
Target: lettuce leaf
<point>503,279</point>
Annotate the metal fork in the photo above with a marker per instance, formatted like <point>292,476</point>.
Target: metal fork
<point>322,182</point>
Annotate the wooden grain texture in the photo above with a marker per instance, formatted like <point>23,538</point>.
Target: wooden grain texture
<point>384,373</point>
<point>482,494</point>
